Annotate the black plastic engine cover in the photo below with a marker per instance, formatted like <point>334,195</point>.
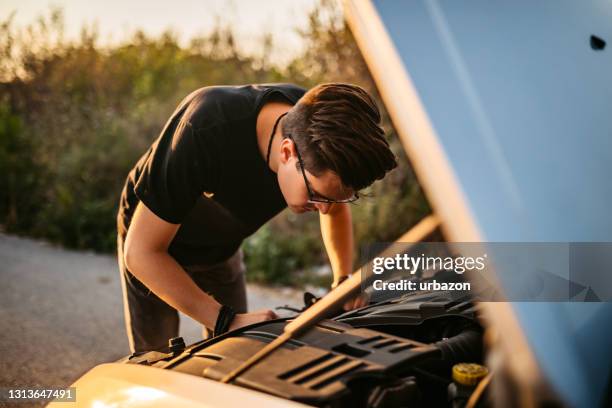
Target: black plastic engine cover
<point>313,369</point>
<point>340,358</point>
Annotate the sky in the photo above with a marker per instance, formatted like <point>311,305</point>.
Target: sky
<point>116,19</point>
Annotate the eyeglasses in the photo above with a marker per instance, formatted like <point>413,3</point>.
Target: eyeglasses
<point>312,198</point>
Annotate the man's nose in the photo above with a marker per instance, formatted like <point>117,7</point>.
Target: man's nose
<point>323,207</point>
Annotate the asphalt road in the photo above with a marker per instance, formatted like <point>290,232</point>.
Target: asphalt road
<point>61,313</point>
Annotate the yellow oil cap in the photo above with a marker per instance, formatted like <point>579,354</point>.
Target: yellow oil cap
<point>469,374</point>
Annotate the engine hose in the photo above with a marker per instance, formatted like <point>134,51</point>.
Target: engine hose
<point>466,346</point>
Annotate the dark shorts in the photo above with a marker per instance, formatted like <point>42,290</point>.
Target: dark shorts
<point>150,322</point>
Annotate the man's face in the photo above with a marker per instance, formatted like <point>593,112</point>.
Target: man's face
<point>293,186</point>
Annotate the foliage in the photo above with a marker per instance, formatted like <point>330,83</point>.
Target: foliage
<point>75,116</point>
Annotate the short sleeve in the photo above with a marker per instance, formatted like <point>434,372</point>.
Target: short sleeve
<point>177,170</point>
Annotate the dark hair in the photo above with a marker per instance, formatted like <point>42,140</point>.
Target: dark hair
<point>337,127</point>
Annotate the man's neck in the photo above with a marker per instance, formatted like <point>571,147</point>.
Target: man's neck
<point>265,123</point>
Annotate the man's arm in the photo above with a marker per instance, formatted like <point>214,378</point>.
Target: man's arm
<point>146,256</point>
<point>337,232</point>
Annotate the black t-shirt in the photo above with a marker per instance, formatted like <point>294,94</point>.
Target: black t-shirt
<point>206,173</point>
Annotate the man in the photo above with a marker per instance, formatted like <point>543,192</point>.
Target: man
<point>227,161</point>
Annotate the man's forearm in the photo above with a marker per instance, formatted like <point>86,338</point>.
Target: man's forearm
<point>337,232</point>
<point>169,281</point>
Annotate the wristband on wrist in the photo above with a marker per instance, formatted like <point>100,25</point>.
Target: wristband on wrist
<point>224,320</point>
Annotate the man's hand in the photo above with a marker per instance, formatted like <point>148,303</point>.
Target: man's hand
<point>356,302</point>
<point>244,319</point>
<point>360,300</point>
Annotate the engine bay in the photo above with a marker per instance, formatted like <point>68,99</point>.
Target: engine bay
<point>398,352</point>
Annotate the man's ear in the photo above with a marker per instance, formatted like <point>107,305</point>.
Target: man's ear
<point>286,150</point>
